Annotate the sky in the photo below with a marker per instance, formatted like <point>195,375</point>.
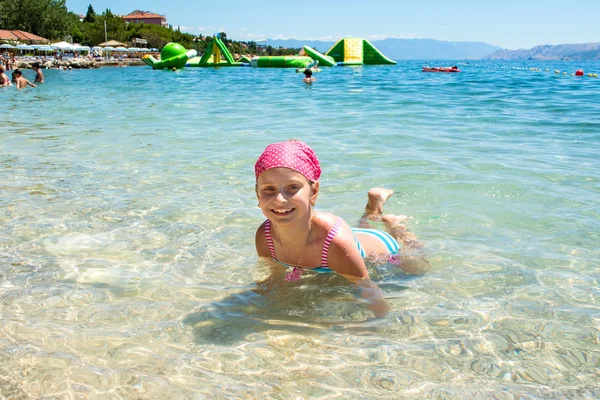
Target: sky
<point>510,24</point>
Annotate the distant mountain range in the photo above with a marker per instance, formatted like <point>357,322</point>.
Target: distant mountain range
<point>585,51</point>
<point>408,49</point>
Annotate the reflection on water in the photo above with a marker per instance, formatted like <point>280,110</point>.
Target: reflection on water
<point>127,218</point>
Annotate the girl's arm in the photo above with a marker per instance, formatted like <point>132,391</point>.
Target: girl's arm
<point>29,83</point>
<point>345,259</point>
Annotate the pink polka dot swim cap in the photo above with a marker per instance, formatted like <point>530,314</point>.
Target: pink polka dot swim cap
<point>292,154</point>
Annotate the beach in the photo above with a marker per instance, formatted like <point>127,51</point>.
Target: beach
<point>128,212</point>
<point>75,63</point>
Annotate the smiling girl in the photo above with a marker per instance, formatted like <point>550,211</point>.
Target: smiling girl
<point>300,238</point>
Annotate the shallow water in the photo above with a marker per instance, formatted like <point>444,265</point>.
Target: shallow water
<point>127,217</point>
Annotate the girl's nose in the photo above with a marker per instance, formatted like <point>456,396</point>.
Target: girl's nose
<point>280,197</point>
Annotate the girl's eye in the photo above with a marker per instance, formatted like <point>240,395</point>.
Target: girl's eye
<point>269,189</point>
<point>294,187</point>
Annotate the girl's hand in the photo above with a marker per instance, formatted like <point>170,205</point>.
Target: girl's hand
<point>380,307</point>
<point>374,297</point>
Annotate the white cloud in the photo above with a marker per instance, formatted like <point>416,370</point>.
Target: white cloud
<point>386,36</point>
<point>380,36</point>
<point>327,38</point>
<point>243,35</point>
<point>283,36</point>
<point>251,36</point>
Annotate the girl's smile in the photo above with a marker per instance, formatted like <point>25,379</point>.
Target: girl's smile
<point>283,211</point>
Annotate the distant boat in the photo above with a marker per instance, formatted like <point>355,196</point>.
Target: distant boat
<point>440,69</point>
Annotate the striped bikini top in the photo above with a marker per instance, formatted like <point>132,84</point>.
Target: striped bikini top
<point>324,254</point>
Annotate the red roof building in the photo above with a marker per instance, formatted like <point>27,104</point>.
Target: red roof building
<point>146,17</point>
<point>21,37</point>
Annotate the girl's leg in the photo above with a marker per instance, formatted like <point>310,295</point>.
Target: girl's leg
<point>396,229</point>
<point>411,260</point>
<point>393,223</point>
<point>374,207</point>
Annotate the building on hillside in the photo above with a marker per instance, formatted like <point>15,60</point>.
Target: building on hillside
<point>146,17</point>
<point>21,37</point>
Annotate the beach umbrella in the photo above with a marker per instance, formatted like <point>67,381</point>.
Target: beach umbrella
<point>63,46</point>
<point>109,48</point>
<point>112,43</point>
<point>6,46</point>
<point>24,47</point>
<point>82,48</point>
<point>120,49</point>
<point>133,49</point>
<point>40,47</point>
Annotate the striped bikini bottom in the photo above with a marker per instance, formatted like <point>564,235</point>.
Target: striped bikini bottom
<point>390,243</point>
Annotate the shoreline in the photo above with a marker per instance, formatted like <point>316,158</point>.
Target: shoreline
<point>77,63</point>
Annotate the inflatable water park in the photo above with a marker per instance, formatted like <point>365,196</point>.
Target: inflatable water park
<point>347,51</point>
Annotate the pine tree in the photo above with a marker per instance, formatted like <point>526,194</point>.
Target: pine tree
<point>90,16</point>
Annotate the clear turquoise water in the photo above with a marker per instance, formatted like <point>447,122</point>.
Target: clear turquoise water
<point>127,217</point>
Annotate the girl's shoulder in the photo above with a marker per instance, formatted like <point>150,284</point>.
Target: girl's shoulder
<point>262,226</point>
<point>325,218</point>
<point>329,222</point>
<point>260,231</point>
<point>260,240</point>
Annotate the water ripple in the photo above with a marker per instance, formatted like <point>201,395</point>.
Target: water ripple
<point>127,217</point>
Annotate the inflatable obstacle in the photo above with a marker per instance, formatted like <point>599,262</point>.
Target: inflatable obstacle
<point>323,60</point>
<point>281,61</point>
<point>173,55</point>
<point>216,55</point>
<point>357,51</point>
<point>244,59</point>
<point>307,59</point>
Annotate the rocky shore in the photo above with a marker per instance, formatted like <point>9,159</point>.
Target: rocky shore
<point>76,63</point>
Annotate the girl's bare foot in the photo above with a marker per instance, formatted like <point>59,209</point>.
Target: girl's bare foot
<point>377,198</point>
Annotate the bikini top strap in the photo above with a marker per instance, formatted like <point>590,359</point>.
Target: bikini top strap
<point>332,232</point>
<point>269,239</point>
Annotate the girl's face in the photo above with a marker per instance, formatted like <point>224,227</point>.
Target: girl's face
<point>285,195</point>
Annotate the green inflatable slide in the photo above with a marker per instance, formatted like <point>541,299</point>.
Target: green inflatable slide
<point>216,55</point>
<point>324,61</point>
<point>357,51</point>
